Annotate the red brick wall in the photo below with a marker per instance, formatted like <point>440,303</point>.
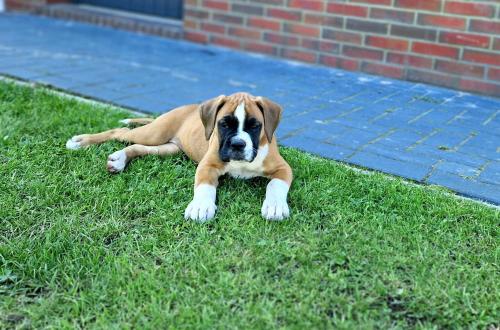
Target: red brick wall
<point>29,5</point>
<point>445,42</point>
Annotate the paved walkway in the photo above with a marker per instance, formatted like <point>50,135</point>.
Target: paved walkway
<point>417,131</point>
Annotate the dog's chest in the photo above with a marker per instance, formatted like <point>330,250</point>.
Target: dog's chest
<point>246,170</point>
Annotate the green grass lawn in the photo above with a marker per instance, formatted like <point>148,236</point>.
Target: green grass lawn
<point>80,248</point>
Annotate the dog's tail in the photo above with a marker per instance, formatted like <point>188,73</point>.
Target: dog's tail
<point>136,121</point>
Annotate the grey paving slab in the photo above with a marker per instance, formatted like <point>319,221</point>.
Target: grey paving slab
<point>472,188</point>
<point>398,167</point>
<point>425,133</point>
<point>491,173</point>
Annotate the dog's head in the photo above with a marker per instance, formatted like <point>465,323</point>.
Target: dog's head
<point>242,123</point>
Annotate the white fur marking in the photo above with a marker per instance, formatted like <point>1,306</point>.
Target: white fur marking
<point>117,161</point>
<point>202,207</point>
<point>246,170</point>
<point>241,114</point>
<point>73,143</point>
<point>275,206</point>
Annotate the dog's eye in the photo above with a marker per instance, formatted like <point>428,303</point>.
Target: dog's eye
<point>254,125</point>
<point>224,124</point>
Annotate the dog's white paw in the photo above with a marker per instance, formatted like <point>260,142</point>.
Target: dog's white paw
<point>125,121</point>
<point>200,210</point>
<point>275,206</point>
<point>117,161</point>
<point>273,209</point>
<point>75,142</point>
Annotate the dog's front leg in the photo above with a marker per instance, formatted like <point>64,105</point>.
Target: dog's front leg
<point>202,207</point>
<point>275,206</point>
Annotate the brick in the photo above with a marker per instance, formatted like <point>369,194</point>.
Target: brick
<point>387,43</point>
<point>225,42</point>
<point>190,24</point>
<point>290,15</point>
<point>196,36</point>
<point>459,68</point>
<point>413,32</point>
<point>325,20</point>
<point>432,78</point>
<point>243,33</point>
<point>349,37</point>
<point>264,23</point>
<point>261,48</point>
<point>434,49</point>
<point>465,39</point>
<point>496,44</point>
<point>307,4</point>
<point>228,18</point>
<point>480,87</point>
<point>432,5</point>
<point>271,2</point>
<point>214,28</point>
<point>481,57</point>
<point>374,2</point>
<point>299,55</point>
<point>247,9</point>
<point>392,15</point>
<point>220,5</point>
<point>281,39</point>
<point>301,29</point>
<point>469,9</point>
<point>365,53</point>
<point>409,60</point>
<point>366,26</point>
<point>493,74</point>
<point>339,62</point>
<point>442,21</point>
<point>492,27</point>
<point>382,69</point>
<point>319,45</point>
<point>348,10</point>
<point>196,13</point>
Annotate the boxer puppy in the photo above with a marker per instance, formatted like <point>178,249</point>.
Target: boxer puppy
<point>226,135</point>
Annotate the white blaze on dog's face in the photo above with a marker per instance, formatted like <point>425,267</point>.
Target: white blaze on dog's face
<point>239,135</point>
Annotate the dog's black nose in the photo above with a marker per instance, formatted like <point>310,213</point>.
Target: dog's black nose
<point>238,144</point>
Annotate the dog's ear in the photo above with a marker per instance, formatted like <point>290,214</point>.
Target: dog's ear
<point>272,115</point>
<point>208,113</point>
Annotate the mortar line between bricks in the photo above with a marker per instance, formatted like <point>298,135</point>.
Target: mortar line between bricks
<point>348,112</point>
<point>423,114</point>
<point>340,115</point>
<point>431,170</point>
<point>491,118</point>
<point>292,133</point>
<point>457,116</point>
<point>386,97</point>
<point>464,141</point>
<point>378,138</point>
<point>434,132</point>
<point>481,169</point>
<point>384,114</point>
<point>351,96</point>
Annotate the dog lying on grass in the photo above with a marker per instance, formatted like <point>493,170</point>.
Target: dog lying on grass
<point>226,135</point>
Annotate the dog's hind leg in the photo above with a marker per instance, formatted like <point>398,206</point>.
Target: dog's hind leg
<point>157,132</point>
<point>152,134</point>
<point>80,141</point>
<point>119,159</point>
